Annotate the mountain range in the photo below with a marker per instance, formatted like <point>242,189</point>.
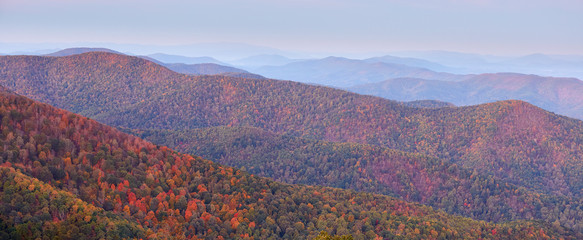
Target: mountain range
<point>167,58</point>
<point>130,92</point>
<point>344,72</point>
<point>67,176</point>
<point>560,95</point>
<point>180,64</point>
<point>415,78</point>
<point>253,62</point>
<point>410,79</point>
<point>88,180</point>
<point>504,150</point>
<point>412,62</point>
<point>538,64</point>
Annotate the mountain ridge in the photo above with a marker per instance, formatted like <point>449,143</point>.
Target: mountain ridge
<point>170,59</point>
<point>344,72</point>
<point>560,95</point>
<point>310,111</point>
<point>511,140</point>
<point>172,194</point>
<point>81,50</point>
<point>201,66</point>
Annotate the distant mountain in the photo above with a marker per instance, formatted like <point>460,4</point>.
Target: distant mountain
<point>209,69</point>
<point>67,176</point>
<point>547,65</point>
<point>31,52</point>
<point>202,68</point>
<point>221,50</point>
<point>263,60</point>
<point>412,62</point>
<point>343,72</point>
<point>218,50</point>
<point>412,89</point>
<point>452,59</point>
<point>428,104</point>
<point>166,58</point>
<point>560,95</point>
<point>539,64</point>
<point>242,75</point>
<point>191,69</point>
<point>74,51</point>
<point>542,60</point>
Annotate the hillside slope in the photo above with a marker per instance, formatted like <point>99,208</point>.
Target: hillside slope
<point>362,167</point>
<point>512,141</point>
<point>33,209</point>
<point>171,194</point>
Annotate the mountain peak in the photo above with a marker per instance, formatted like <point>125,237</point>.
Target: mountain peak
<point>75,51</point>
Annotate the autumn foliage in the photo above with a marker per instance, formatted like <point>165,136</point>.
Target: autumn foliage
<point>498,162</point>
<point>156,192</point>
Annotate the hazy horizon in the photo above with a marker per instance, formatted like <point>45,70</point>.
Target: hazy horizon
<point>238,50</point>
<point>341,27</point>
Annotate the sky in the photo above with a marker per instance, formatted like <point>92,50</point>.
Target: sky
<point>497,27</point>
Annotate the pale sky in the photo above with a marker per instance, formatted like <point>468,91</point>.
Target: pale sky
<point>503,27</point>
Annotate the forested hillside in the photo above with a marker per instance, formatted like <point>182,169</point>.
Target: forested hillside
<point>33,209</point>
<point>361,167</point>
<point>512,140</point>
<point>534,151</point>
<point>82,166</point>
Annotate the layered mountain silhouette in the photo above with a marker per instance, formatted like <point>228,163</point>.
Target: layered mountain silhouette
<point>417,79</point>
<point>412,62</point>
<point>131,92</point>
<point>256,61</point>
<point>180,64</point>
<point>167,58</point>
<point>509,142</point>
<point>410,79</point>
<point>344,72</point>
<point>539,64</point>
<point>210,69</point>
<point>560,95</point>
<point>67,176</point>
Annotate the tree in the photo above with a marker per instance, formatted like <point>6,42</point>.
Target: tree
<point>325,236</point>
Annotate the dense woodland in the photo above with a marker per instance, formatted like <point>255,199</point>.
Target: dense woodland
<point>413,177</point>
<point>33,209</point>
<point>512,140</point>
<point>79,174</point>
<point>480,156</point>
